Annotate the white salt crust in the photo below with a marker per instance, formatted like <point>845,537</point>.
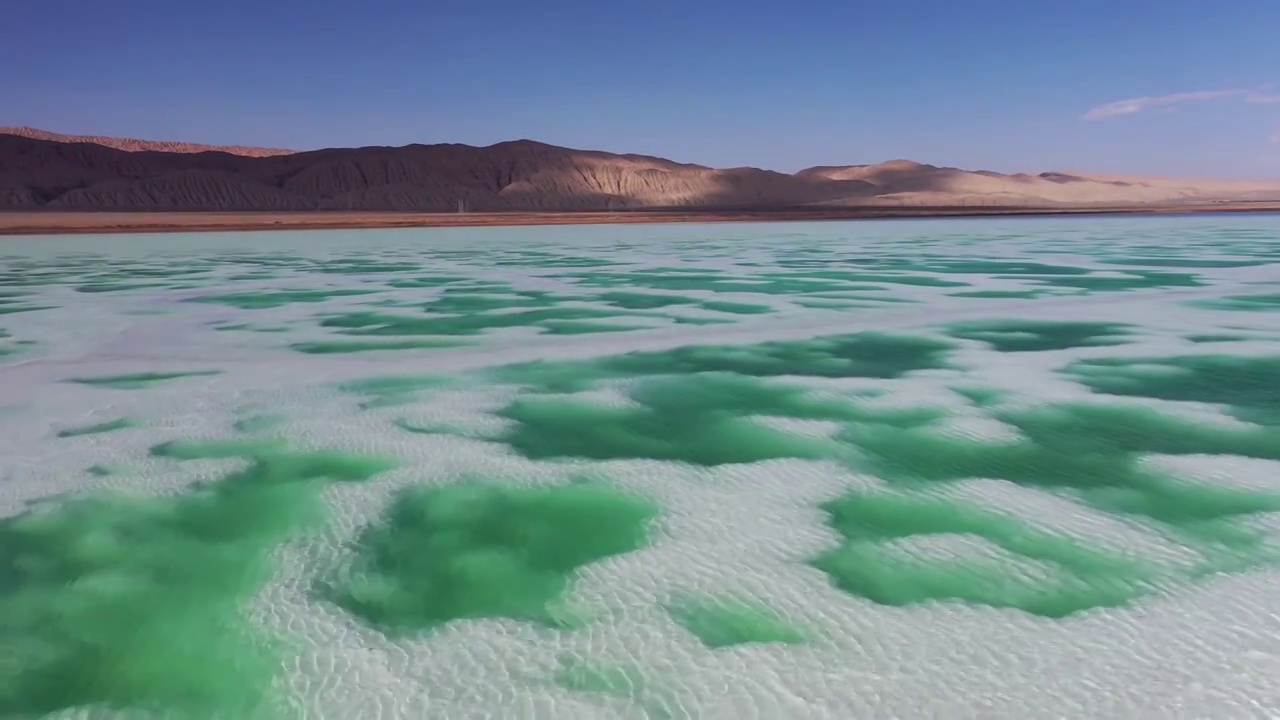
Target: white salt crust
<point>1208,650</point>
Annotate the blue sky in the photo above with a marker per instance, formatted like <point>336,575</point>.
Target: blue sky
<point>1005,85</point>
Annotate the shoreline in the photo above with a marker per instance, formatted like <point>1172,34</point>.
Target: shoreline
<point>14,223</point>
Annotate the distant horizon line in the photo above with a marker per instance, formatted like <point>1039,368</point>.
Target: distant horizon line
<point>34,133</point>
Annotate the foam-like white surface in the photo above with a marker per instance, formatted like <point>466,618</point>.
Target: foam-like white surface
<point>1207,650</point>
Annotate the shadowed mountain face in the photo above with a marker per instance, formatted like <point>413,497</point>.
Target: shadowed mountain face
<point>42,170</point>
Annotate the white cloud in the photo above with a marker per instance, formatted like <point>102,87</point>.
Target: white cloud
<point>1136,105</point>
<point>1258,95</point>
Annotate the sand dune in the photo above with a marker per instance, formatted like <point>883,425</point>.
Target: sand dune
<point>43,170</point>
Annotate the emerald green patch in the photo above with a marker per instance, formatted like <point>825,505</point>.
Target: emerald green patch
<point>1040,335</point>
<point>333,347</point>
<point>277,298</point>
<point>391,390</point>
<point>1000,294</point>
<point>108,426</point>
<point>1084,578</point>
<point>1249,386</point>
<point>1094,454</point>
<point>725,622</point>
<point>137,381</point>
<point>871,355</point>
<point>1247,303</point>
<point>478,551</point>
<point>137,603</point>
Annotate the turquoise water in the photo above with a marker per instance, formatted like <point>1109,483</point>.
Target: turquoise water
<point>955,468</point>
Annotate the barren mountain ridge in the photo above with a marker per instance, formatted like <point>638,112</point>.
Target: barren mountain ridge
<point>44,170</point>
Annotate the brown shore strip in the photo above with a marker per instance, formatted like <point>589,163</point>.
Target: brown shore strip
<point>59,223</point>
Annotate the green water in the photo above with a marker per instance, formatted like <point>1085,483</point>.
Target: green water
<point>702,406</point>
<point>455,301</point>
<point>1247,303</point>
<point>999,294</point>
<point>1084,578</point>
<point>869,355</point>
<point>1249,386</point>
<point>278,298</point>
<point>7,309</point>
<point>656,700</point>
<point>101,470</point>
<point>368,323</point>
<point>1186,262</point>
<point>387,390</point>
<point>485,550</point>
<point>665,471</point>
<point>612,680</point>
<point>118,287</point>
<point>96,428</point>
<point>765,284</point>
<point>699,419</point>
<point>1216,338</point>
<point>721,622</point>
<point>1033,336</point>
<point>337,347</point>
<point>645,301</point>
<point>426,281</point>
<point>253,423</point>
<point>825,304</point>
<point>137,381</point>
<point>126,601</point>
<point>574,327</point>
<point>1130,281</point>
<point>363,266</point>
<point>1092,453</point>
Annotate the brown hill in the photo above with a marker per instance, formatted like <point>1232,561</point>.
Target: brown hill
<point>131,145</point>
<point>44,170</point>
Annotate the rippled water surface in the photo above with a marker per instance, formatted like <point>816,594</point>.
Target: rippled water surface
<point>966,469</point>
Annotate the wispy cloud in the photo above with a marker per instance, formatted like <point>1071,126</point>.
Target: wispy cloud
<point>1152,102</point>
<point>1258,95</point>
<point>1265,95</point>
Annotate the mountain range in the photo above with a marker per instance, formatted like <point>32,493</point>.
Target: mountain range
<point>50,171</point>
